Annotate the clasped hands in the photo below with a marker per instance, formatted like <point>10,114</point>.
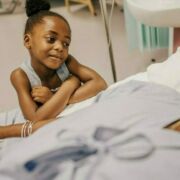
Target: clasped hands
<point>41,94</point>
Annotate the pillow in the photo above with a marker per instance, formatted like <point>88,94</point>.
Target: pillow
<point>166,73</point>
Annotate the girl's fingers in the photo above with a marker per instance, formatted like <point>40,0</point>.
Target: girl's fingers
<point>37,99</point>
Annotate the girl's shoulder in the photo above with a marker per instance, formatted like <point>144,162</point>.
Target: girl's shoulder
<point>72,63</point>
<point>18,76</point>
<point>18,72</point>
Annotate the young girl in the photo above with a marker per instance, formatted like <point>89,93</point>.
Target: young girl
<point>52,78</point>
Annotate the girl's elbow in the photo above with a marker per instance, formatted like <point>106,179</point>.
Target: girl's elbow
<point>102,85</point>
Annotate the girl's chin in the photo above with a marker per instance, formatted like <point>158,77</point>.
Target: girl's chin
<point>55,63</point>
<point>52,66</point>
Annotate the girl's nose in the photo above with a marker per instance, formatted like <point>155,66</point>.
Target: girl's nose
<point>58,46</point>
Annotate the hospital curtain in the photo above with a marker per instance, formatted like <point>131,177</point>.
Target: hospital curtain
<point>142,36</point>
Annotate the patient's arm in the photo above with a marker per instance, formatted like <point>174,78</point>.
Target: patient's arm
<point>174,126</point>
<point>15,129</point>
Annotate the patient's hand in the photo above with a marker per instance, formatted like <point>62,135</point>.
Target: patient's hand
<point>174,126</point>
<point>41,94</point>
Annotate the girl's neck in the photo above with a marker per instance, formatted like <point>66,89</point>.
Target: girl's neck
<point>43,72</point>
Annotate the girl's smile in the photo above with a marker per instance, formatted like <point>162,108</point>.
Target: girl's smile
<point>56,59</point>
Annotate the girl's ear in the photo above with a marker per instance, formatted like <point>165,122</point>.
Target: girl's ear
<point>27,41</point>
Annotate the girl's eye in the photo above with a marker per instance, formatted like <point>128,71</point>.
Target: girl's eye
<point>51,39</point>
<point>66,45</point>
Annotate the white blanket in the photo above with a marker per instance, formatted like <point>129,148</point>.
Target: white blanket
<point>131,107</point>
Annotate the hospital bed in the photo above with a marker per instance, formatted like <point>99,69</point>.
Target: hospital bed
<point>119,134</point>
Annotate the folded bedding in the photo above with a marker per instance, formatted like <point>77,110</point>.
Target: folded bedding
<point>85,144</point>
<point>167,72</point>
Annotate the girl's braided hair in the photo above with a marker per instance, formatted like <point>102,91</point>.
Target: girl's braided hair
<point>36,10</point>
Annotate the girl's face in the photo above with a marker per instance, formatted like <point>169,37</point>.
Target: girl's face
<point>48,43</point>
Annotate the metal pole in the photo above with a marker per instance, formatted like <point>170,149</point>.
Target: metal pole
<point>105,20</point>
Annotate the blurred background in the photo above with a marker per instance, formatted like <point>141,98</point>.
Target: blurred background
<point>89,42</point>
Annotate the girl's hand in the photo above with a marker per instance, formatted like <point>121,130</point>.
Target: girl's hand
<point>41,94</point>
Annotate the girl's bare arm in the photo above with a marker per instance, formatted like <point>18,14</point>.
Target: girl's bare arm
<point>52,107</point>
<point>92,82</point>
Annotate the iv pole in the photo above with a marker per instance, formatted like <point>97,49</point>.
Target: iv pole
<point>105,19</point>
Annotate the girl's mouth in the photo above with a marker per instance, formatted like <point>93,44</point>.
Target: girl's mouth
<point>56,58</point>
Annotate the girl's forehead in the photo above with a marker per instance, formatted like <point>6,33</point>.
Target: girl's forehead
<point>53,23</point>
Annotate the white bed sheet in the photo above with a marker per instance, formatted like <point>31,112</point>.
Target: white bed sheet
<point>165,142</point>
<point>157,165</point>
